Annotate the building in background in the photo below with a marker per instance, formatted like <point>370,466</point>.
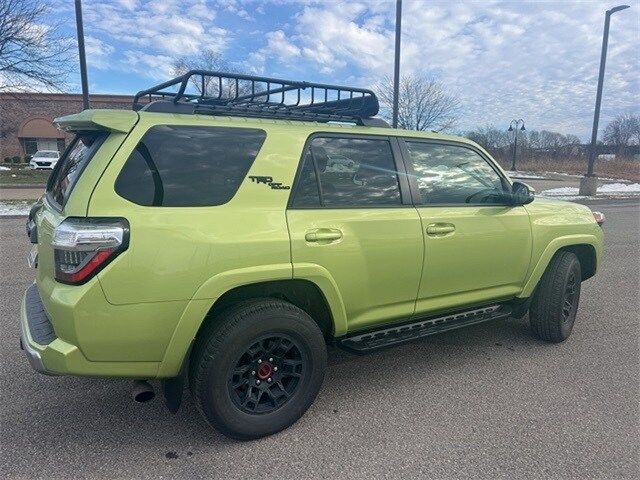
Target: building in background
<point>26,120</point>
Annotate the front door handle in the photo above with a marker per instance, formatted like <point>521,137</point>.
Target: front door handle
<point>323,235</point>
<point>436,229</point>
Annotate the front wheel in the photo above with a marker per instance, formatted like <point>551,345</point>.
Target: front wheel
<point>257,368</point>
<point>555,302</point>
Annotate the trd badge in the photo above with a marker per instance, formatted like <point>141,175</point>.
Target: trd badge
<point>268,181</point>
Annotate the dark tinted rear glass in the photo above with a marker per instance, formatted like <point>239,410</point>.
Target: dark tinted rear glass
<point>177,166</point>
<point>354,172</point>
<point>70,166</point>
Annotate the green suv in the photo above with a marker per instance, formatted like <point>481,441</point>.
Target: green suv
<point>226,229</point>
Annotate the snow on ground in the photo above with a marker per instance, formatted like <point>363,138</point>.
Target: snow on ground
<point>4,168</point>
<point>529,175</point>
<point>608,190</point>
<point>11,208</point>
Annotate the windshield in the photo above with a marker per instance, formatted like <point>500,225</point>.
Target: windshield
<point>46,154</point>
<point>70,166</point>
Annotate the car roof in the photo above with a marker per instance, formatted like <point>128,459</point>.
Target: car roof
<point>302,126</point>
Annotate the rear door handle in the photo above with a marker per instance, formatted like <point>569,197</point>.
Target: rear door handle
<point>436,229</point>
<point>323,235</point>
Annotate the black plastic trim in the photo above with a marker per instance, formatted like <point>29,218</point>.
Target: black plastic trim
<point>405,331</point>
<point>40,327</point>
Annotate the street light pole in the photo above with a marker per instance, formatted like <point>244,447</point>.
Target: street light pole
<point>83,60</point>
<point>513,127</point>
<point>589,183</point>
<point>396,64</point>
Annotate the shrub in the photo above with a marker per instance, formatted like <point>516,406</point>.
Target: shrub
<point>15,159</point>
<point>7,159</point>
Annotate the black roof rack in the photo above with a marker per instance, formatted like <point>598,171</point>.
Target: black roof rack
<point>232,94</point>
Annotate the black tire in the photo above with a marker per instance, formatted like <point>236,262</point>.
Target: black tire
<point>555,302</point>
<point>225,373</point>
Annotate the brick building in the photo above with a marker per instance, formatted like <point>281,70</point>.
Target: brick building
<point>26,119</point>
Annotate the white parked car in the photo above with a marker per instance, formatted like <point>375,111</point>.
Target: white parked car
<point>46,159</point>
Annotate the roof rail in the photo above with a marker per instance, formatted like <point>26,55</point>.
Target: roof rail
<point>219,93</point>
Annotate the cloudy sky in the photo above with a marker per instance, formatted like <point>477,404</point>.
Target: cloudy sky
<point>535,60</point>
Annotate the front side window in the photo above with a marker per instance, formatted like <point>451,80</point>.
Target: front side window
<point>347,172</point>
<point>187,166</point>
<point>450,174</point>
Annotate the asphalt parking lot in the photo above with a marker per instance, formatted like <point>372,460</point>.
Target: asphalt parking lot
<point>489,401</point>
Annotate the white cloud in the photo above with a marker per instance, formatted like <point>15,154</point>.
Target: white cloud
<point>157,67</point>
<point>98,53</point>
<point>161,25</point>
<point>278,46</point>
<point>504,59</point>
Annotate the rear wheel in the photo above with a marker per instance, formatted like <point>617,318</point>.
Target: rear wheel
<point>257,368</point>
<point>555,302</point>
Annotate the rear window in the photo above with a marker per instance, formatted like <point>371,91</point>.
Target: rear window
<point>179,166</point>
<point>70,166</point>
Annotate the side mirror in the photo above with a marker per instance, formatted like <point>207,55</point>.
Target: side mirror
<point>521,193</point>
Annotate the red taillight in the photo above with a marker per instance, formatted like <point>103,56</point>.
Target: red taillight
<point>83,246</point>
<point>599,217</point>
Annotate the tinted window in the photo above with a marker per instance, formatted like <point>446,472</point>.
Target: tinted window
<point>70,166</point>
<point>447,174</point>
<point>175,166</point>
<point>353,172</point>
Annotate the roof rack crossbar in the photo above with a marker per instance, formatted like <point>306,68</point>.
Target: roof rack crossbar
<point>239,91</point>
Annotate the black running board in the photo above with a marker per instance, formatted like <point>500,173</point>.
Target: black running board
<point>384,337</point>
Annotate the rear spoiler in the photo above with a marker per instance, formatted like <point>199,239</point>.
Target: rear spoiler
<point>121,121</point>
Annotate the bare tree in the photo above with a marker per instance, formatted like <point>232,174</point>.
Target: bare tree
<point>33,55</point>
<point>623,131</point>
<point>423,103</point>
<point>210,60</point>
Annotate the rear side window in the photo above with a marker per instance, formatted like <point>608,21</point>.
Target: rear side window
<point>180,166</point>
<point>347,172</point>
<point>70,166</point>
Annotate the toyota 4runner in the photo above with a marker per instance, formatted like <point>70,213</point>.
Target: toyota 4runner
<point>228,227</point>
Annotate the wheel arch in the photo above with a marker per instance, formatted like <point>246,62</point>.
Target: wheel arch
<point>587,248</point>
<point>318,296</point>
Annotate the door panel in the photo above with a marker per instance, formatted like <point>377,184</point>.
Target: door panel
<point>351,213</point>
<point>374,256</point>
<point>477,245</point>
<point>483,255</point>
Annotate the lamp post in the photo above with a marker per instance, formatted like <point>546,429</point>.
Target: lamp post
<point>83,59</point>
<point>396,65</point>
<point>589,183</point>
<point>513,127</point>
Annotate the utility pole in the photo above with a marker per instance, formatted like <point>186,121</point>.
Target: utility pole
<point>513,127</point>
<point>589,183</point>
<point>83,60</point>
<point>396,65</point>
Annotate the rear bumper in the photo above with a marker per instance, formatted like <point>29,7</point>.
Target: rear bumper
<point>51,355</point>
<point>33,317</point>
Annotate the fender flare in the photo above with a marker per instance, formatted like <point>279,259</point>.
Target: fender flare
<point>210,291</point>
<point>548,253</point>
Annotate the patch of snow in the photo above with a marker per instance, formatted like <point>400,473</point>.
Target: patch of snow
<point>560,192</point>
<point>573,175</point>
<point>15,208</point>
<point>516,174</point>
<point>618,188</point>
<point>4,168</point>
<point>608,190</point>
